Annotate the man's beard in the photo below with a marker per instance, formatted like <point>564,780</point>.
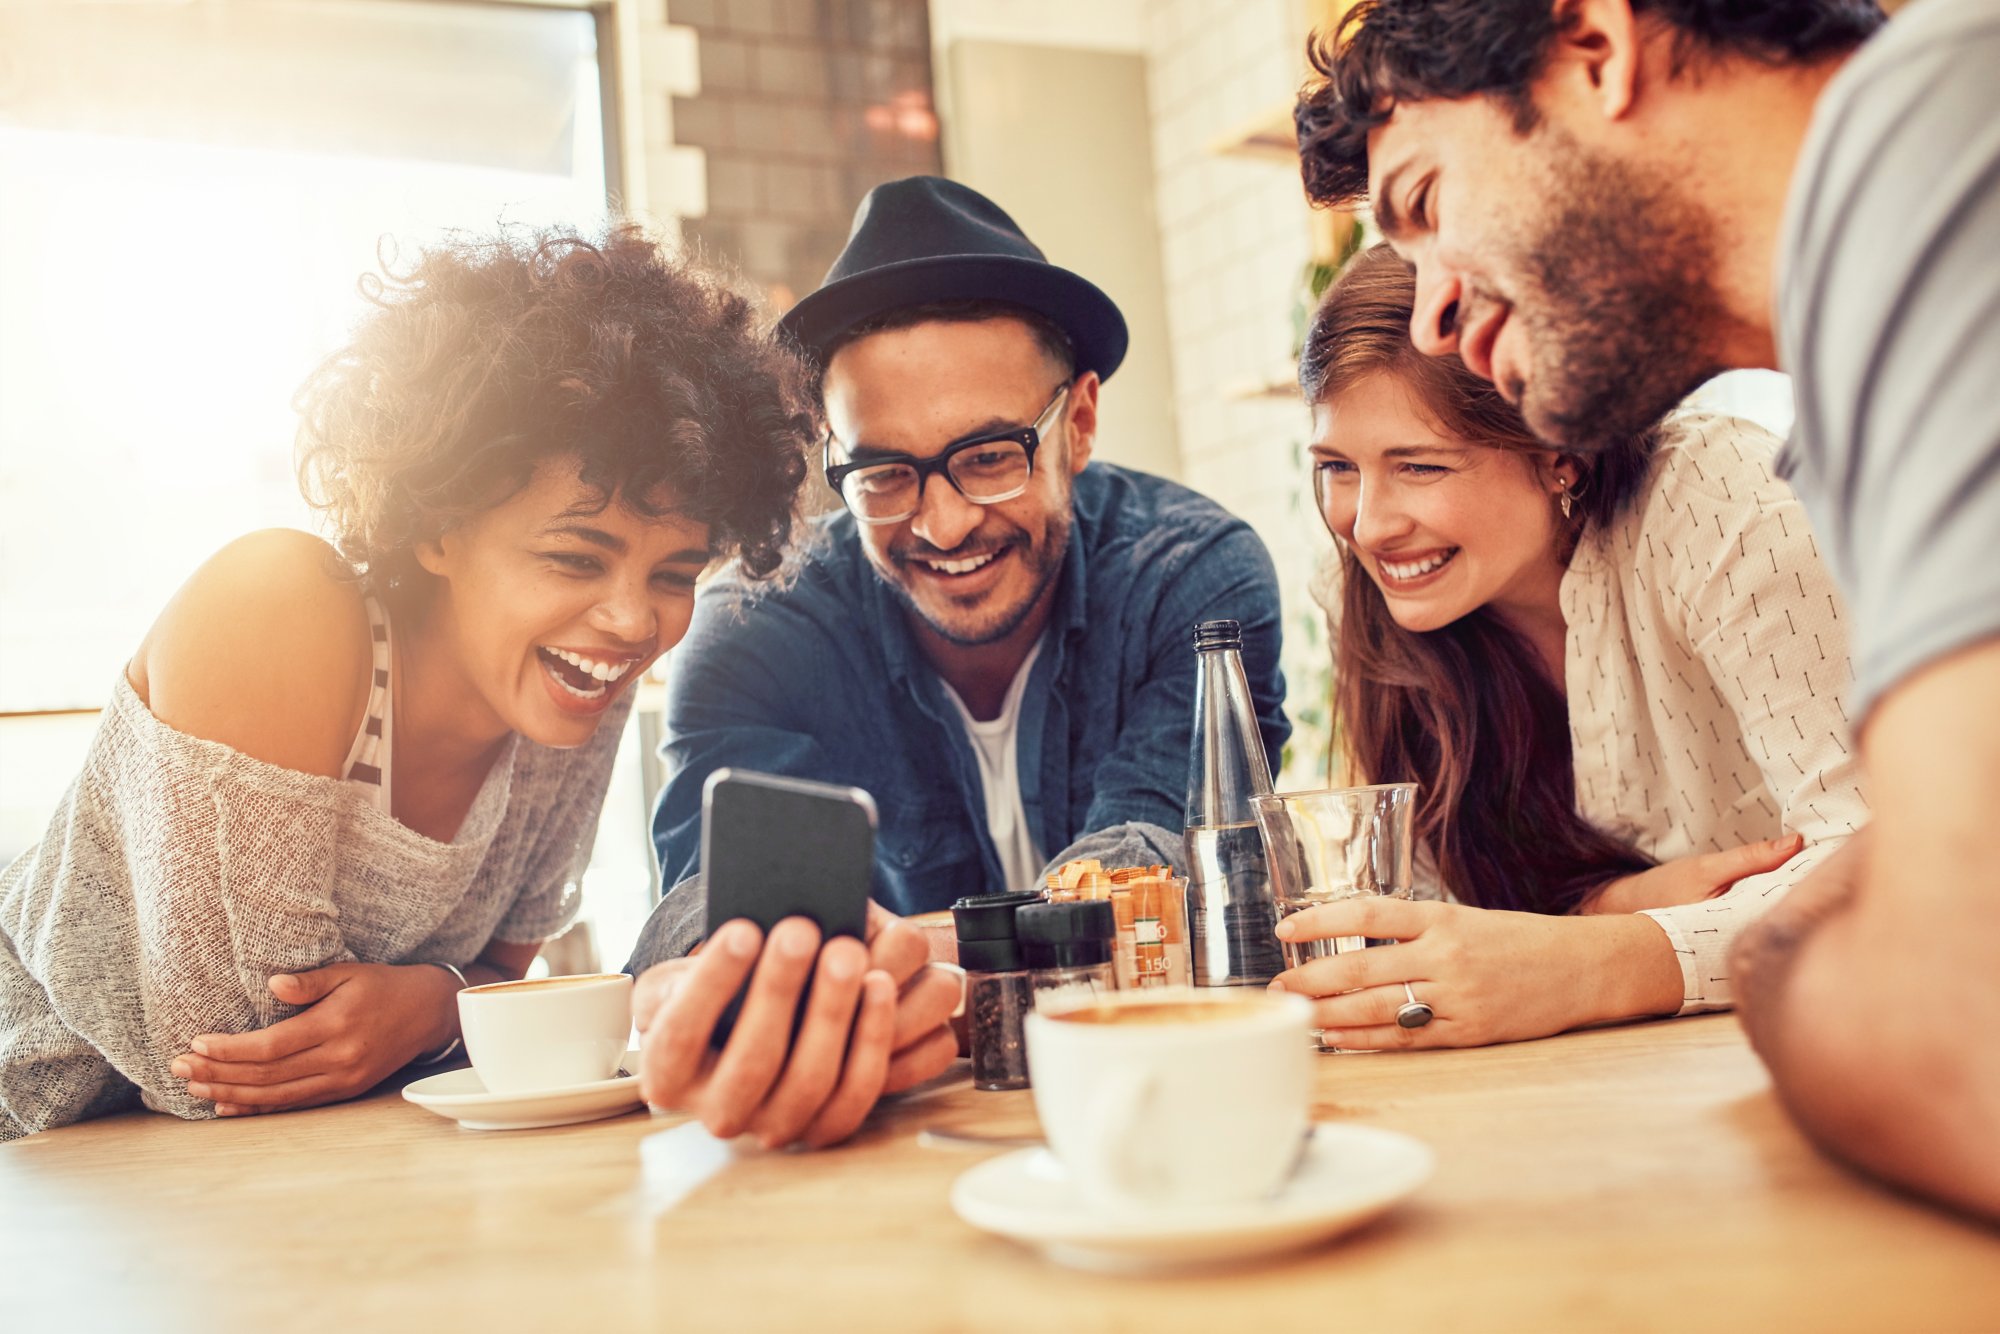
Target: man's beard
<point>1043,562</point>
<point>1619,307</point>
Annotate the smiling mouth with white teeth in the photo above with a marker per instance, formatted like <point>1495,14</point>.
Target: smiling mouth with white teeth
<point>958,567</point>
<point>1407,571</point>
<point>584,677</point>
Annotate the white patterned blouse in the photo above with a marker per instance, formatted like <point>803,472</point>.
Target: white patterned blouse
<point>1708,680</point>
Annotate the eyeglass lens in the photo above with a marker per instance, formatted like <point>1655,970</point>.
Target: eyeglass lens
<point>992,471</point>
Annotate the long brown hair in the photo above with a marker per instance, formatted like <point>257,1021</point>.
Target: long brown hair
<point>1464,710</point>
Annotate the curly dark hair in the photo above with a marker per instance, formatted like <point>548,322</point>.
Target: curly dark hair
<point>1387,51</point>
<point>492,353</point>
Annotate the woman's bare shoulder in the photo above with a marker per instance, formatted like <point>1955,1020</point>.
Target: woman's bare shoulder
<point>266,650</point>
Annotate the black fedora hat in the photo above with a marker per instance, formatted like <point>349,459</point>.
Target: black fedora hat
<point>925,239</point>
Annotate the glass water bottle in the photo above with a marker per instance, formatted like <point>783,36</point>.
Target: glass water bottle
<point>1232,914</point>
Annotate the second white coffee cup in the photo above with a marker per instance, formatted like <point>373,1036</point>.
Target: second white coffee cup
<point>1175,1095</point>
<point>545,1033</point>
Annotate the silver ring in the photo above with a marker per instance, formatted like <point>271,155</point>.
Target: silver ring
<point>958,975</point>
<point>1415,1014</point>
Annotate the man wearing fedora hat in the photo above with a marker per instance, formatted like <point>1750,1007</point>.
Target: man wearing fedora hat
<point>992,635</point>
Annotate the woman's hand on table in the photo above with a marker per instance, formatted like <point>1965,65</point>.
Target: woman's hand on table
<point>1488,976</point>
<point>361,1023</point>
<point>876,1023</point>
<point>1692,879</point>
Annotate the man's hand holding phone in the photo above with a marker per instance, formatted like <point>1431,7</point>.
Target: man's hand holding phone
<point>876,1022</point>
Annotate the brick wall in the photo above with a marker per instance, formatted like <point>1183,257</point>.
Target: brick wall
<point>1234,242</point>
<point>803,106</point>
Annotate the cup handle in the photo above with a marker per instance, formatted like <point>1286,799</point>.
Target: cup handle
<point>1115,1127</point>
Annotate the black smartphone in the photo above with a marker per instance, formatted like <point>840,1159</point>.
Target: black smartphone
<point>774,847</point>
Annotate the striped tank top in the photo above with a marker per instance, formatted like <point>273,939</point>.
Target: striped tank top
<point>368,758</point>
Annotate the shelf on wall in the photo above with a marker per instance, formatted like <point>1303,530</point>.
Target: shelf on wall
<point>1279,382</point>
<point>1270,137</point>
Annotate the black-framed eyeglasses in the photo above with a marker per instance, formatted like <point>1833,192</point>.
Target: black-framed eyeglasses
<point>985,469</point>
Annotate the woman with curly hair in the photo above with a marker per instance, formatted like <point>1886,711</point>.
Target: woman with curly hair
<point>337,783</point>
<point>1617,677</point>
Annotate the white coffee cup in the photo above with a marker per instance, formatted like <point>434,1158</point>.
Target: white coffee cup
<point>548,1032</point>
<point>1179,1095</point>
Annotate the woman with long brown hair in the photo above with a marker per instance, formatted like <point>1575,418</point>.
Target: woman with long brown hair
<point>1617,678</point>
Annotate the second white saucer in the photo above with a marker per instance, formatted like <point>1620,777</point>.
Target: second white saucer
<point>460,1096</point>
<point>1347,1175</point>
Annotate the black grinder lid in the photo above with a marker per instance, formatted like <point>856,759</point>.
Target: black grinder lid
<point>985,927</point>
<point>1066,935</point>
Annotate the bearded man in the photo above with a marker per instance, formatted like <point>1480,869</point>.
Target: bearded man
<point>1607,202</point>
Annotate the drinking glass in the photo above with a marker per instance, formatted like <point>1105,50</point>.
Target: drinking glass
<point>1338,843</point>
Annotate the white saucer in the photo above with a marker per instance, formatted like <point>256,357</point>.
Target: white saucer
<point>1347,1175</point>
<point>460,1096</point>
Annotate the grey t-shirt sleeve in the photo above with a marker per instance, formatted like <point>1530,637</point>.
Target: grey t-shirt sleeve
<point>675,927</point>
<point>1889,321</point>
<point>1134,843</point>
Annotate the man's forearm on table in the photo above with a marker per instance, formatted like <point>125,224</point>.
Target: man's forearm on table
<point>1849,1019</point>
<point>1767,953</point>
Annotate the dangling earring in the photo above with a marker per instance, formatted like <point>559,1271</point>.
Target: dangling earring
<point>1562,496</point>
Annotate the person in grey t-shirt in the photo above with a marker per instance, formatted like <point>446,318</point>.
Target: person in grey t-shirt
<point>1607,203</point>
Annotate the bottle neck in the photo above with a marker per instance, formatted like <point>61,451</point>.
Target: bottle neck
<point>1227,765</point>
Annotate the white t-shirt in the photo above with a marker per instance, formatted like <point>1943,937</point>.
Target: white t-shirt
<point>995,743</point>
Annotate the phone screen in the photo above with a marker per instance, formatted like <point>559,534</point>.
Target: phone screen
<point>775,847</point>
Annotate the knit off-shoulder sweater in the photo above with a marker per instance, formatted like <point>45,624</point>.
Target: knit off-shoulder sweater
<point>178,875</point>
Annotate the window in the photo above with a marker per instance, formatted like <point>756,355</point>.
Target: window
<point>188,194</point>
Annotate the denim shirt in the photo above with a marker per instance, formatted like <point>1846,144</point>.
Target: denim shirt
<point>822,679</point>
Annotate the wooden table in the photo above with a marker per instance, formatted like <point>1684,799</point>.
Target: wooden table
<point>1631,1178</point>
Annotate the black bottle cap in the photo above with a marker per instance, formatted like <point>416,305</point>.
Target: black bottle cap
<point>1066,935</point>
<point>1218,634</point>
<point>989,916</point>
<point>990,956</point>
